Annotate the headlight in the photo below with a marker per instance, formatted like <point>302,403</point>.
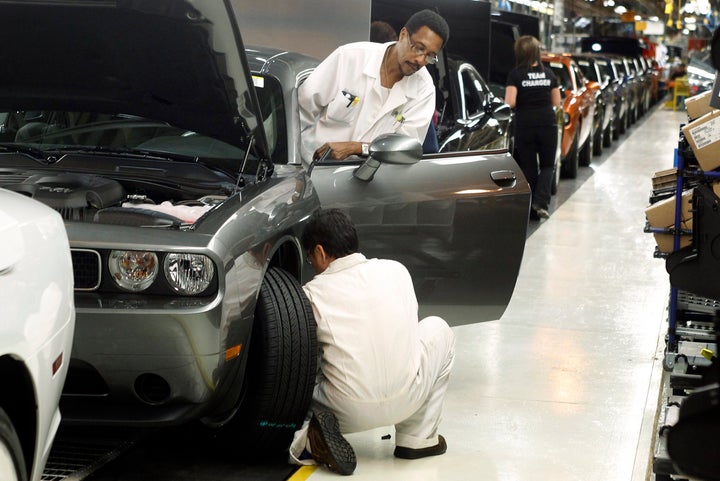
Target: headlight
<point>188,274</point>
<point>133,270</point>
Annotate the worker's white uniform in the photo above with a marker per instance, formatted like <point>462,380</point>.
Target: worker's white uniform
<point>379,366</point>
<point>343,100</point>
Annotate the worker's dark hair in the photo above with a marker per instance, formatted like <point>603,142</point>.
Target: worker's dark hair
<point>527,51</point>
<point>332,229</point>
<point>382,32</point>
<point>432,20</point>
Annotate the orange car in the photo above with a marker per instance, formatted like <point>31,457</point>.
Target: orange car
<point>579,107</point>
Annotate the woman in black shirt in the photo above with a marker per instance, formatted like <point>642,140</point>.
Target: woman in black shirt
<point>532,90</point>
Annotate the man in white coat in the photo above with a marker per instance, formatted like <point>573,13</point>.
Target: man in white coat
<point>365,89</point>
<point>379,365</point>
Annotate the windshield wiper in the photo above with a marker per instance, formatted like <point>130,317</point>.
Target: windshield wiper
<point>34,152</point>
<point>125,152</point>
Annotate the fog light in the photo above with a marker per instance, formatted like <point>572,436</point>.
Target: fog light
<point>188,274</point>
<point>133,270</point>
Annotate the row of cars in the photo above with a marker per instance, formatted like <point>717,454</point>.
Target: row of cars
<point>179,183</point>
<point>603,95</point>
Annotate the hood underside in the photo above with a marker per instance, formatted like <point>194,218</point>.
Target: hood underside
<point>178,61</point>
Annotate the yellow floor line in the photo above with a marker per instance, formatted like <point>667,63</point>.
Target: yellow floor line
<point>303,473</point>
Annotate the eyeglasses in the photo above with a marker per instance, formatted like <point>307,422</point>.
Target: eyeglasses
<point>420,50</point>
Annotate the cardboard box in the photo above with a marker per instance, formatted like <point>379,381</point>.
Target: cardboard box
<point>698,105</point>
<point>703,135</point>
<point>664,179</point>
<point>662,215</point>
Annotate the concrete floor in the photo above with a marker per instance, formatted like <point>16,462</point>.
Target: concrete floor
<point>565,385</point>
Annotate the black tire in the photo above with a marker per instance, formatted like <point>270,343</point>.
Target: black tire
<point>556,177</point>
<point>10,442</point>
<point>281,369</point>
<point>570,164</point>
<point>623,123</point>
<point>599,141</point>
<point>587,150</point>
<point>609,136</point>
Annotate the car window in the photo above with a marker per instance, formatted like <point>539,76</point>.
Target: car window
<point>579,77</point>
<point>272,110</point>
<point>605,68</point>
<point>474,92</point>
<point>562,74</point>
<point>587,67</point>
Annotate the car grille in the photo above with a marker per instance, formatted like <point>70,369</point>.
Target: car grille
<point>86,269</point>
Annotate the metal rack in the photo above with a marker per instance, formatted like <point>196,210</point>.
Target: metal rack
<point>693,321</point>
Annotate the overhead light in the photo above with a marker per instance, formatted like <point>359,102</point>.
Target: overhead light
<point>638,18</point>
<point>692,27</point>
<point>686,31</point>
<point>596,47</point>
<point>620,10</point>
<point>689,19</point>
<point>654,19</point>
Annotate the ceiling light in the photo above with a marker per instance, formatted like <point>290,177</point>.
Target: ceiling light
<point>620,10</point>
<point>638,18</point>
<point>689,20</point>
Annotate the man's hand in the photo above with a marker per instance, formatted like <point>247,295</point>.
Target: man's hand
<point>340,150</point>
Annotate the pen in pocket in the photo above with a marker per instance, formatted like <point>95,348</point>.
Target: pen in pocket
<point>352,99</point>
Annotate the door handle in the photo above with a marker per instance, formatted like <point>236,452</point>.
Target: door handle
<point>503,177</point>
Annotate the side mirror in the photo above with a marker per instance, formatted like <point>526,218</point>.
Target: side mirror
<point>389,149</point>
<point>500,110</point>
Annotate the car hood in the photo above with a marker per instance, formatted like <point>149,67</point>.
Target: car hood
<point>177,61</point>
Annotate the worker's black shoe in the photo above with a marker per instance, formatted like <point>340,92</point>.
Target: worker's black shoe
<point>409,453</point>
<point>328,446</point>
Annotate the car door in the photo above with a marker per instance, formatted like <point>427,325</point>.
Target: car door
<point>457,221</point>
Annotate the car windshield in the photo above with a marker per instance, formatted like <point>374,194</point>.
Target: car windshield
<point>67,131</point>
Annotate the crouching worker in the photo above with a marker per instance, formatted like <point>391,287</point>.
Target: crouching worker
<point>379,366</point>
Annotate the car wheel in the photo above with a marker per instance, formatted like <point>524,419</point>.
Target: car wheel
<point>10,450</point>
<point>587,150</point>
<point>570,163</point>
<point>599,141</point>
<point>608,136</point>
<point>281,369</point>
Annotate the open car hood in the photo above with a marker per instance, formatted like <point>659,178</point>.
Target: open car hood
<point>177,61</point>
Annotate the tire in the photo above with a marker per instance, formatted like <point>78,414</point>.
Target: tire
<point>281,369</point>
<point>599,141</point>
<point>623,122</point>
<point>10,448</point>
<point>608,136</point>
<point>556,175</point>
<point>587,150</point>
<point>570,163</point>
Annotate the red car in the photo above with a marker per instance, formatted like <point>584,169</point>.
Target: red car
<point>578,103</point>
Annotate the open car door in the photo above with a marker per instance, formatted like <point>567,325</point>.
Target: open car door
<point>457,221</point>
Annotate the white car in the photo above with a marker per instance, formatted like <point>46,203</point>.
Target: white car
<point>36,332</point>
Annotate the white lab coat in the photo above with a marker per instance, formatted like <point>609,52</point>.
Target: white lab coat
<point>379,365</point>
<point>342,100</point>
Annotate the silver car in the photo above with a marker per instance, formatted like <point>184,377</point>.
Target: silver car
<point>173,157</point>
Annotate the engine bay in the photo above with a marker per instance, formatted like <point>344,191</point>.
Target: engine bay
<point>99,199</point>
